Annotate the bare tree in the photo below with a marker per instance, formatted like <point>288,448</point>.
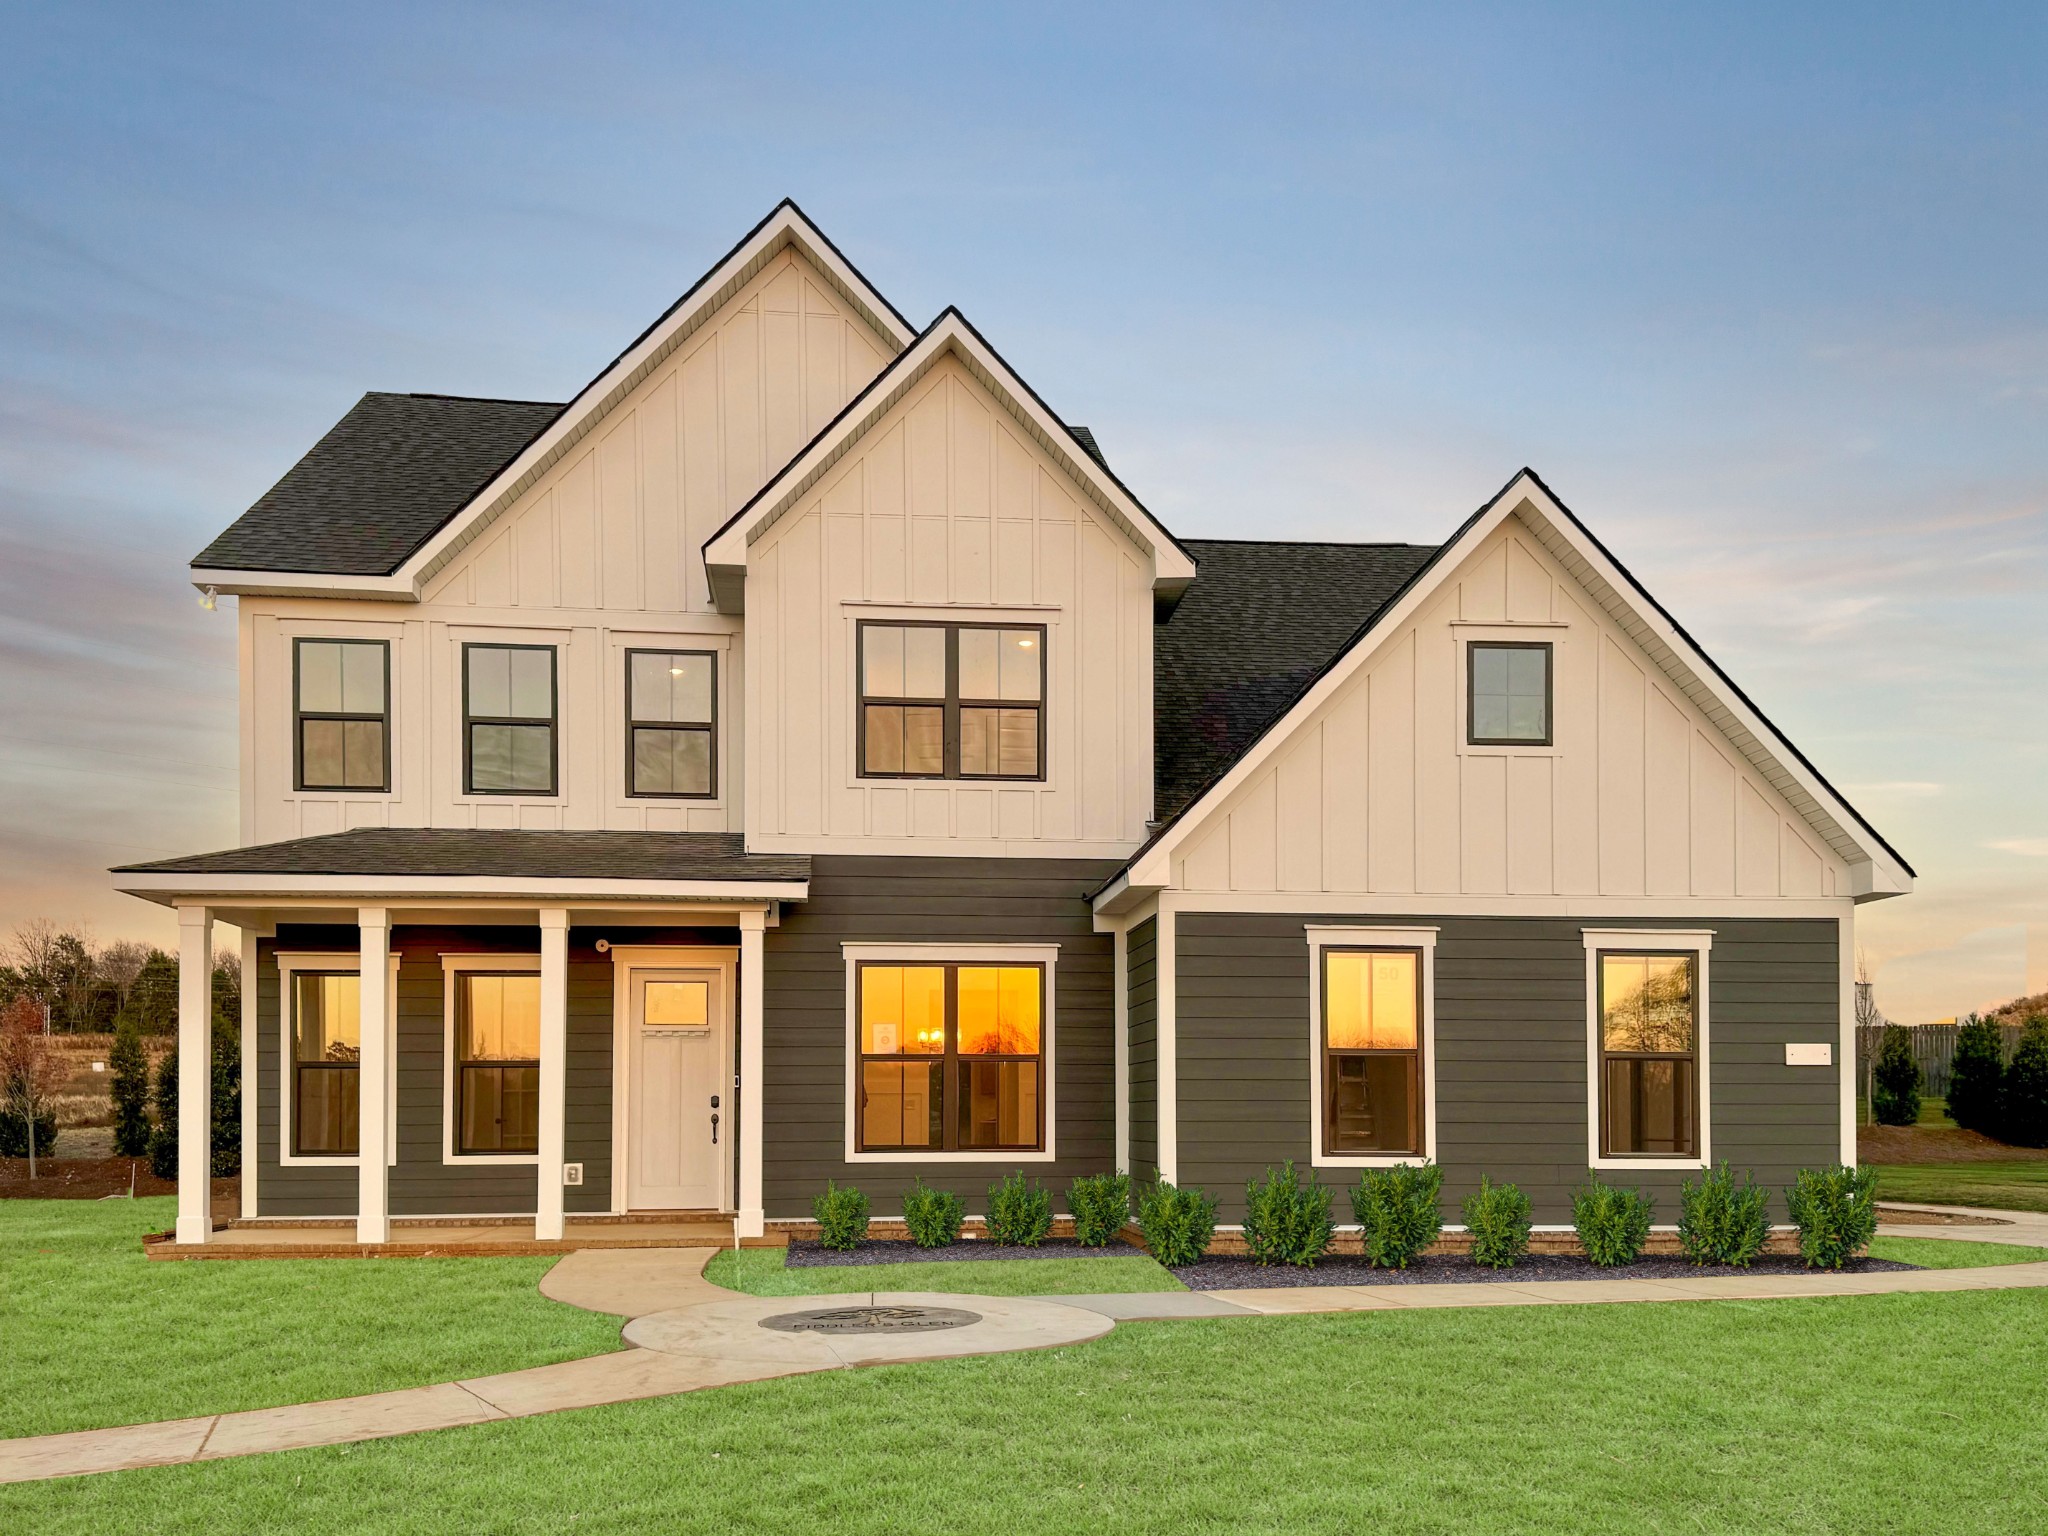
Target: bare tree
<point>1867,1014</point>
<point>78,977</point>
<point>37,955</point>
<point>31,1072</point>
<point>120,964</point>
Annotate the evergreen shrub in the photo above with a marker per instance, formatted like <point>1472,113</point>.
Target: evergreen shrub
<point>1976,1078</point>
<point>1019,1211</point>
<point>1720,1222</point>
<point>1286,1221</point>
<point>1835,1210</point>
<point>2025,1116</point>
<point>933,1215</point>
<point>1497,1216</point>
<point>1101,1205</point>
<point>1177,1223</point>
<point>1398,1212</point>
<point>128,1085</point>
<point>1898,1078</point>
<point>841,1215</point>
<point>1613,1224</point>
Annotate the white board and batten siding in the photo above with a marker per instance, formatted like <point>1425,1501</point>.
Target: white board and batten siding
<point>945,510</point>
<point>599,556</point>
<point>1378,793</point>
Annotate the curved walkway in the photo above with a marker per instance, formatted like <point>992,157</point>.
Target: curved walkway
<point>686,1334</point>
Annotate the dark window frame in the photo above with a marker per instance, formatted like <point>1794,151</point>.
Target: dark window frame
<point>1549,650</point>
<point>1418,1082</point>
<point>1691,957</point>
<point>299,1068</point>
<point>464,1065</point>
<point>710,729</point>
<point>950,1059</point>
<point>301,715</point>
<point>952,704</point>
<point>554,720</point>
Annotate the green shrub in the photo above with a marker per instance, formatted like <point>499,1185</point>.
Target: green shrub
<point>1613,1224</point>
<point>933,1215</point>
<point>1836,1212</point>
<point>1398,1212</point>
<point>1897,1078</point>
<point>1101,1205</point>
<point>129,1087</point>
<point>14,1134</point>
<point>2026,1088</point>
<point>1177,1223</point>
<point>1719,1223</point>
<point>1019,1211</point>
<point>1497,1216</point>
<point>163,1141</point>
<point>1285,1220</point>
<point>841,1215</point>
<point>224,1139</point>
<point>1976,1078</point>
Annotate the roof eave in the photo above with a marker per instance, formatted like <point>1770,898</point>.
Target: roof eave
<point>235,583</point>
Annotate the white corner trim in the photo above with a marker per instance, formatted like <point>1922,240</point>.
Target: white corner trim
<point>1120,971</point>
<point>1046,955</point>
<point>344,961</point>
<point>1330,936</point>
<point>1698,942</point>
<point>452,967</point>
<point>1845,1055</point>
<point>1166,1044</point>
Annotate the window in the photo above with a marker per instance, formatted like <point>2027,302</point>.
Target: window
<point>1508,694</point>
<point>952,701</point>
<point>508,719</point>
<point>951,1057</point>
<point>671,714</point>
<point>1372,1050</point>
<point>326,1041</point>
<point>497,1062</point>
<point>342,730</point>
<point>1649,1055</point>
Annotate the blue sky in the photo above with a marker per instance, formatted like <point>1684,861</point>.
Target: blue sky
<point>1762,295</point>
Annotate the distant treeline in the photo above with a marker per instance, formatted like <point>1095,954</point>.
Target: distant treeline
<point>89,988</point>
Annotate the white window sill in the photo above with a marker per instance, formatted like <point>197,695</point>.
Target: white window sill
<point>1644,1164</point>
<point>490,1159</point>
<point>950,1157</point>
<point>1370,1159</point>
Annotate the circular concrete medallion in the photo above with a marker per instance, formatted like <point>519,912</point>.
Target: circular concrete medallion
<point>871,1320</point>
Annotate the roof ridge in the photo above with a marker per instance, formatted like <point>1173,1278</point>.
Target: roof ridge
<point>436,394</point>
<point>1314,543</point>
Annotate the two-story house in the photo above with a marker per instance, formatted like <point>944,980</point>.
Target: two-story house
<point>802,757</point>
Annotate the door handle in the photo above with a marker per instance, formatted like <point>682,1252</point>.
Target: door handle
<point>714,1128</point>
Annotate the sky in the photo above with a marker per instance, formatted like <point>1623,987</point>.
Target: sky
<point>1759,290</point>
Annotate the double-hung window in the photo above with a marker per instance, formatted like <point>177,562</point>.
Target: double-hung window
<point>951,1057</point>
<point>671,723</point>
<point>326,1048</point>
<point>1372,1050</point>
<point>342,725</point>
<point>952,701</point>
<point>1508,693</point>
<point>497,1062</point>
<point>1648,1018</point>
<point>508,719</point>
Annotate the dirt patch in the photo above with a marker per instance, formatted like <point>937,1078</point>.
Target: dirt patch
<point>1927,1144</point>
<point>90,1178</point>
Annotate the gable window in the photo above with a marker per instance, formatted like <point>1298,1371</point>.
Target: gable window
<point>1508,693</point>
<point>508,719</point>
<point>326,1041</point>
<point>952,701</point>
<point>497,1062</point>
<point>1649,1054</point>
<point>1372,1050</point>
<point>950,1057</point>
<point>671,723</point>
<point>342,724</point>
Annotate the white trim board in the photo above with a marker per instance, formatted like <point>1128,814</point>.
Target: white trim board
<point>1322,937</point>
<point>1697,942</point>
<point>289,963</point>
<point>176,889</point>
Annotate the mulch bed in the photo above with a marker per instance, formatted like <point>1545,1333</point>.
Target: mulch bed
<point>88,1178</point>
<point>1227,1274</point>
<point>804,1254</point>
<point>1933,1144</point>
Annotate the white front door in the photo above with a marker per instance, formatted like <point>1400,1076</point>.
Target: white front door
<point>680,1121</point>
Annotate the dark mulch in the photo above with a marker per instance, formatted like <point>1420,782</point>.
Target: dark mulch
<point>1936,1144</point>
<point>804,1254</point>
<point>1228,1274</point>
<point>88,1178</point>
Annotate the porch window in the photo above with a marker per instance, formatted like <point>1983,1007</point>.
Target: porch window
<point>508,719</point>
<point>497,1062</point>
<point>952,701</point>
<point>326,1051</point>
<point>1372,1050</point>
<point>671,729</point>
<point>951,1058</point>
<point>341,732</point>
<point>1649,1055</point>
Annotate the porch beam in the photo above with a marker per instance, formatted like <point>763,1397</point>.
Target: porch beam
<point>751,1218</point>
<point>373,1068</point>
<point>554,1071</point>
<point>195,1074</point>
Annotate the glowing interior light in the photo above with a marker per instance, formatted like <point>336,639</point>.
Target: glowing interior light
<point>1026,644</point>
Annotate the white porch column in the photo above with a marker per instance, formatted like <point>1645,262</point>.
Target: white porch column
<point>195,1074</point>
<point>752,1219</point>
<point>250,1026</point>
<point>554,1071</point>
<point>373,1068</point>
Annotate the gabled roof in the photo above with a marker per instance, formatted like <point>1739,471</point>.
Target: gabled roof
<point>950,335</point>
<point>1876,868</point>
<point>391,551</point>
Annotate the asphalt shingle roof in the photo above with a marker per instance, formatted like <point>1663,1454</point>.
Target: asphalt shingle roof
<point>456,851</point>
<point>382,481</point>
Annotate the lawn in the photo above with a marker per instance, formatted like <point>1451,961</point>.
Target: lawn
<point>759,1272</point>
<point>1947,1253</point>
<point>92,1333</point>
<point>2012,1186</point>
<point>1909,1413</point>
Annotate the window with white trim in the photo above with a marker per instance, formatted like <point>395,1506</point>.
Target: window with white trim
<point>1648,1084</point>
<point>1372,1044</point>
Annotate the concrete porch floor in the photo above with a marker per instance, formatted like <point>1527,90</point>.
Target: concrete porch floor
<point>413,1239</point>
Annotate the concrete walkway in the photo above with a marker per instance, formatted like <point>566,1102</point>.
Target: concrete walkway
<point>687,1334</point>
<point>1968,1224</point>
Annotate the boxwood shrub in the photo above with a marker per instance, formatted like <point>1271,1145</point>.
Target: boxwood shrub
<point>1177,1223</point>
<point>1286,1221</point>
<point>1836,1212</point>
<point>1101,1205</point>
<point>1613,1224</point>
<point>1497,1216</point>
<point>933,1215</point>
<point>841,1215</point>
<point>1019,1211</point>
<point>1720,1222</point>
<point>1398,1212</point>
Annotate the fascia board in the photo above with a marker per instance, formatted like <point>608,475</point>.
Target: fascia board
<point>395,589</point>
<point>168,887</point>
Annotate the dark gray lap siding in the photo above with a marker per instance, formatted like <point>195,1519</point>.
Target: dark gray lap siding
<point>929,900</point>
<point>1511,1032</point>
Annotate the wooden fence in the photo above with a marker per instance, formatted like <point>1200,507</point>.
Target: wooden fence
<point>1934,1047</point>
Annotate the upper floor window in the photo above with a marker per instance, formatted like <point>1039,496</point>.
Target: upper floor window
<point>343,716</point>
<point>1508,693</point>
<point>671,723</point>
<point>508,719</point>
<point>952,701</point>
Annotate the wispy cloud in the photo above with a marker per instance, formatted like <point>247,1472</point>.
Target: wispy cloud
<point>2025,847</point>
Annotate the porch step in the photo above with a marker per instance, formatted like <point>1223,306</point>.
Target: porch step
<point>330,1239</point>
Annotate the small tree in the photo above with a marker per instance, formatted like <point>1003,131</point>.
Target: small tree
<point>2026,1088</point>
<point>1898,1078</point>
<point>163,1141</point>
<point>129,1089</point>
<point>225,1142</point>
<point>30,1075</point>
<point>1976,1078</point>
<point>153,1000</point>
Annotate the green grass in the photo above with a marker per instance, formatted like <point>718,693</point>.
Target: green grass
<point>759,1272</point>
<point>93,1334</point>
<point>1945,1253</point>
<point>1907,1413</point>
<point>2011,1186</point>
